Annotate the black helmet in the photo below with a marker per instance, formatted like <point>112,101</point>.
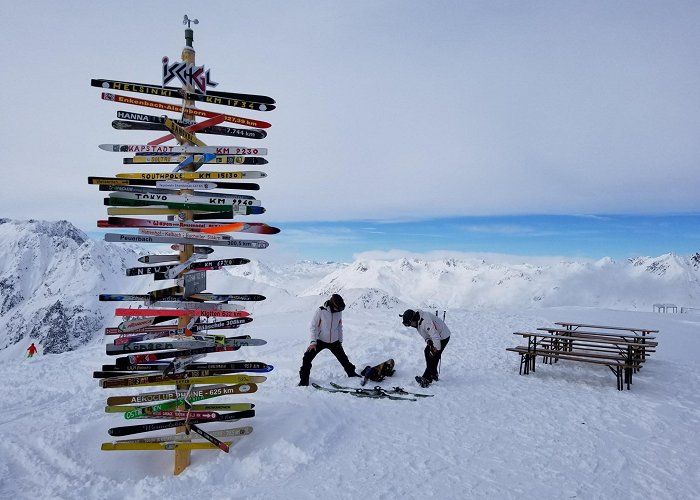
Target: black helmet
<point>407,316</point>
<point>336,303</point>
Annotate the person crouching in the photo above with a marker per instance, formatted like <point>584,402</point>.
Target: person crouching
<point>327,333</point>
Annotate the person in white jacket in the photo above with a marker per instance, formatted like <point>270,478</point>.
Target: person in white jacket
<point>327,333</point>
<point>436,335</point>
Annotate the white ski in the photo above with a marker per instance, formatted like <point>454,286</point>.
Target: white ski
<point>217,150</point>
<point>184,234</point>
<point>186,198</point>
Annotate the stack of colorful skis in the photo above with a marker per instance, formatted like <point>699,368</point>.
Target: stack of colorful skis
<point>162,341</point>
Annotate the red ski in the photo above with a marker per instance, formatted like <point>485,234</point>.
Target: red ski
<point>192,128</point>
<point>204,227</point>
<point>122,311</point>
<point>178,109</point>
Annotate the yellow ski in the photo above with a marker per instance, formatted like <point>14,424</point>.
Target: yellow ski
<point>168,176</point>
<point>181,134</point>
<point>202,407</point>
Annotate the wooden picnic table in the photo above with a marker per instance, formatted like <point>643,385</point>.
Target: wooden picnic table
<point>620,332</point>
<point>622,355</point>
<point>575,326</point>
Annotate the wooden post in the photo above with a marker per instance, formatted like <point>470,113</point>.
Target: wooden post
<point>182,457</point>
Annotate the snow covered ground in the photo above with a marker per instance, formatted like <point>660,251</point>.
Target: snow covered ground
<point>562,432</point>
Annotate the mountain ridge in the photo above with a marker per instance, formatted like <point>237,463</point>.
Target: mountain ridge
<point>51,274</point>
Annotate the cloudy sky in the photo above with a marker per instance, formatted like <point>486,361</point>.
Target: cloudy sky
<point>388,111</point>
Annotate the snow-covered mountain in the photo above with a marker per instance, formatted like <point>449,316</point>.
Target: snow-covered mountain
<point>51,274</point>
<point>479,283</point>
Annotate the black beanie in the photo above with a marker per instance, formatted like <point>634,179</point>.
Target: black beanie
<point>408,317</point>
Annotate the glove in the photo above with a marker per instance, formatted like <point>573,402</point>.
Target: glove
<point>432,350</point>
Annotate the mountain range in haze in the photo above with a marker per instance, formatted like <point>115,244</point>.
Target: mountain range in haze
<point>51,274</point>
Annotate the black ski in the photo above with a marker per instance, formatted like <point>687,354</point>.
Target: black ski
<point>137,429</point>
<point>199,297</point>
<point>155,356</point>
<point>156,190</point>
<point>158,123</point>
<point>246,101</point>
<point>218,93</point>
<point>393,390</point>
<point>194,373</point>
<point>216,442</point>
<point>207,264</point>
<point>226,365</point>
<point>376,393</point>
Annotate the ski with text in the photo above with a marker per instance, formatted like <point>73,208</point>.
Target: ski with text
<point>212,130</point>
<point>178,109</point>
<point>195,394</point>
<point>137,429</point>
<point>150,380</point>
<point>133,238</point>
<point>147,207</point>
<point>149,191</point>
<point>234,432</point>
<point>179,158</point>
<point>153,182</point>
<point>218,150</point>
<point>234,99</point>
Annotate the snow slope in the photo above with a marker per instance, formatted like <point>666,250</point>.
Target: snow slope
<point>562,432</point>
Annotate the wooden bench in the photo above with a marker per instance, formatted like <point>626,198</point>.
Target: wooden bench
<point>622,356</point>
<point>615,363</point>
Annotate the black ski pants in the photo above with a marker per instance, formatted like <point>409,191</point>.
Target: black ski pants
<point>336,348</point>
<point>432,360</point>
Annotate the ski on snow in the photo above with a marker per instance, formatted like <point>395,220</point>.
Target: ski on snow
<point>363,393</point>
<point>393,390</point>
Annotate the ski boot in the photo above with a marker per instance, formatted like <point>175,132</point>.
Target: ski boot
<point>422,381</point>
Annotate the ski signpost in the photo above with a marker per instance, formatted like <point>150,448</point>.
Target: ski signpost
<point>189,321</point>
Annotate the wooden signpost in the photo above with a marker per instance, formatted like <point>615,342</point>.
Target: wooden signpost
<point>170,354</point>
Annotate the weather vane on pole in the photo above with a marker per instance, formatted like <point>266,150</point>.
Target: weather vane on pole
<point>187,21</point>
